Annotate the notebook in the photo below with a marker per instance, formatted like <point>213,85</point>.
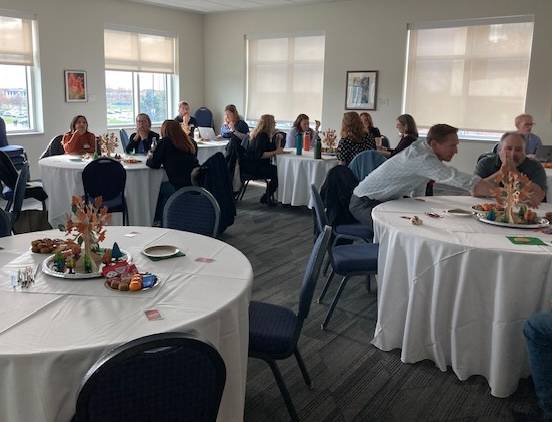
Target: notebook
<point>544,153</point>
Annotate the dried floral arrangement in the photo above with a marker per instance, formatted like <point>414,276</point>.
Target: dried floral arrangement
<point>108,144</point>
<point>512,197</point>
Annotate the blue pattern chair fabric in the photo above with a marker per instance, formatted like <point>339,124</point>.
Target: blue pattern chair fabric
<point>106,177</point>
<point>5,223</point>
<point>366,162</point>
<point>204,117</point>
<point>124,138</point>
<point>172,377</point>
<point>275,330</point>
<point>192,209</point>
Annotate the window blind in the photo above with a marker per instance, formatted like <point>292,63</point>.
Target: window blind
<point>473,77</point>
<point>285,77</point>
<point>16,41</point>
<point>137,52</point>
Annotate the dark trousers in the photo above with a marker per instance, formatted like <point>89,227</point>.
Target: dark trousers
<point>262,170</point>
<point>361,209</point>
<point>165,192</point>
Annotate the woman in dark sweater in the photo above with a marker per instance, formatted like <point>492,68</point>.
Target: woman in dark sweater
<point>141,140</point>
<point>177,154</point>
<point>354,138</point>
<point>408,130</point>
<point>258,154</point>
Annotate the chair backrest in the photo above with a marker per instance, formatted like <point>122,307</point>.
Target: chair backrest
<point>55,147</point>
<point>104,177</point>
<point>124,138</point>
<point>319,210</point>
<point>281,136</point>
<point>486,155</point>
<point>385,141</point>
<point>312,272</point>
<point>167,376</point>
<point>365,163</point>
<point>8,172</point>
<point>192,209</point>
<point>19,192</point>
<point>204,117</point>
<point>5,223</point>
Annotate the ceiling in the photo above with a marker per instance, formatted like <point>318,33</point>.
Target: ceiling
<point>211,6</point>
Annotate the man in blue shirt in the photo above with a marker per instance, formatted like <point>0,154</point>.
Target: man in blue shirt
<point>524,124</point>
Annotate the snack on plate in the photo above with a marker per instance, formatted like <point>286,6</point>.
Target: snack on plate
<point>48,246</point>
<point>131,161</point>
<point>133,283</point>
<point>417,221</point>
<point>489,206</point>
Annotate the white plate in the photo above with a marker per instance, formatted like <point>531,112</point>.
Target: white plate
<point>458,212</point>
<point>543,222</point>
<point>48,268</point>
<point>155,284</point>
<point>160,251</point>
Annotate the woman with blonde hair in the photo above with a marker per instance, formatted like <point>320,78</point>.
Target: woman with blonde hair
<point>140,141</point>
<point>177,154</point>
<point>258,154</point>
<point>233,123</point>
<point>354,138</point>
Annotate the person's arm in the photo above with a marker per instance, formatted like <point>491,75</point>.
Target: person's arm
<point>225,131</point>
<point>290,138</point>
<point>71,143</point>
<point>241,130</point>
<point>132,144</point>
<point>155,158</point>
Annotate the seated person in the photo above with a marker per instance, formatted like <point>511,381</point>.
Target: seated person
<point>260,150</point>
<point>538,333</point>
<point>406,126</point>
<point>233,124</point>
<point>177,154</point>
<point>3,136</point>
<point>368,124</point>
<point>524,124</point>
<point>186,120</point>
<point>300,126</point>
<point>511,157</point>
<point>408,173</point>
<point>79,140</point>
<point>141,140</point>
<point>354,138</point>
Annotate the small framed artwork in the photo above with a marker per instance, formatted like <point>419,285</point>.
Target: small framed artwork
<point>362,90</point>
<point>75,86</point>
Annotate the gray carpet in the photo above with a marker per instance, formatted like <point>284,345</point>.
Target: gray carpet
<point>353,381</point>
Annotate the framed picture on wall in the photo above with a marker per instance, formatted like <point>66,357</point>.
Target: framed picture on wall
<point>75,86</point>
<point>361,90</point>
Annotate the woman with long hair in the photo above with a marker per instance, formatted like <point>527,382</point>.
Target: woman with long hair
<point>354,138</point>
<point>78,140</point>
<point>141,140</point>
<point>233,123</point>
<point>406,125</point>
<point>258,154</point>
<point>301,126</point>
<point>177,154</point>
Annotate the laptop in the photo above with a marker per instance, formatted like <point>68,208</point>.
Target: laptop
<point>207,133</point>
<point>544,153</point>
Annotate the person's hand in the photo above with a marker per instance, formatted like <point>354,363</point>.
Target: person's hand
<point>483,188</point>
<point>279,149</point>
<point>317,125</point>
<point>509,165</point>
<point>231,124</point>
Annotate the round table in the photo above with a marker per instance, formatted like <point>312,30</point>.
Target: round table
<point>53,332</point>
<point>457,291</point>
<point>296,173</point>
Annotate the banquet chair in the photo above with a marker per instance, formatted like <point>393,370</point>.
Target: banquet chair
<point>8,177</point>
<point>275,330</point>
<point>172,377</point>
<point>281,136</point>
<point>204,117</point>
<point>106,177</point>
<point>124,138</point>
<point>15,206</point>
<point>55,147</point>
<point>5,223</point>
<point>192,209</point>
<point>365,163</point>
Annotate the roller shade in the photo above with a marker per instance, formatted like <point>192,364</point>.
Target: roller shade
<point>16,41</point>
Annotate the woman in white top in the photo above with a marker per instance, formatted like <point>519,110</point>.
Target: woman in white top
<point>300,126</point>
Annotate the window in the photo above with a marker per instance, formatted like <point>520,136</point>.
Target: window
<point>285,77</point>
<point>473,76</point>
<point>139,76</point>
<point>17,68</point>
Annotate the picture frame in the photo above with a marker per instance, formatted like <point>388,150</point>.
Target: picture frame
<point>361,90</point>
<point>76,89</point>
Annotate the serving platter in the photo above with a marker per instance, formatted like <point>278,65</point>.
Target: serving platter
<point>542,222</point>
<point>48,268</point>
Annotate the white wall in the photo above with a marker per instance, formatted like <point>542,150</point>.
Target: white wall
<point>71,37</point>
<point>369,35</point>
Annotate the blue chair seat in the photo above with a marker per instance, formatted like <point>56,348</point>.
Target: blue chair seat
<point>358,230</point>
<point>272,329</point>
<point>355,258</point>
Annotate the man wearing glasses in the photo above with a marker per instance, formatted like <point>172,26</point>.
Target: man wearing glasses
<point>524,124</point>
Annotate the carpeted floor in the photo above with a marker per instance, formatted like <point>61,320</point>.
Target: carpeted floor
<point>353,381</point>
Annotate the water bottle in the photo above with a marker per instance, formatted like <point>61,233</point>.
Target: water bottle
<point>298,144</point>
<point>318,149</point>
<point>306,141</point>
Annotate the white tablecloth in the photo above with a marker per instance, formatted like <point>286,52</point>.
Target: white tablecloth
<point>62,178</point>
<point>296,173</point>
<point>52,333</point>
<point>457,291</point>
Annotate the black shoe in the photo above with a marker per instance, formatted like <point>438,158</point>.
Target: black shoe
<point>264,199</point>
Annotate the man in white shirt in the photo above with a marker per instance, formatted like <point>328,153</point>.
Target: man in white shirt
<point>408,173</point>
